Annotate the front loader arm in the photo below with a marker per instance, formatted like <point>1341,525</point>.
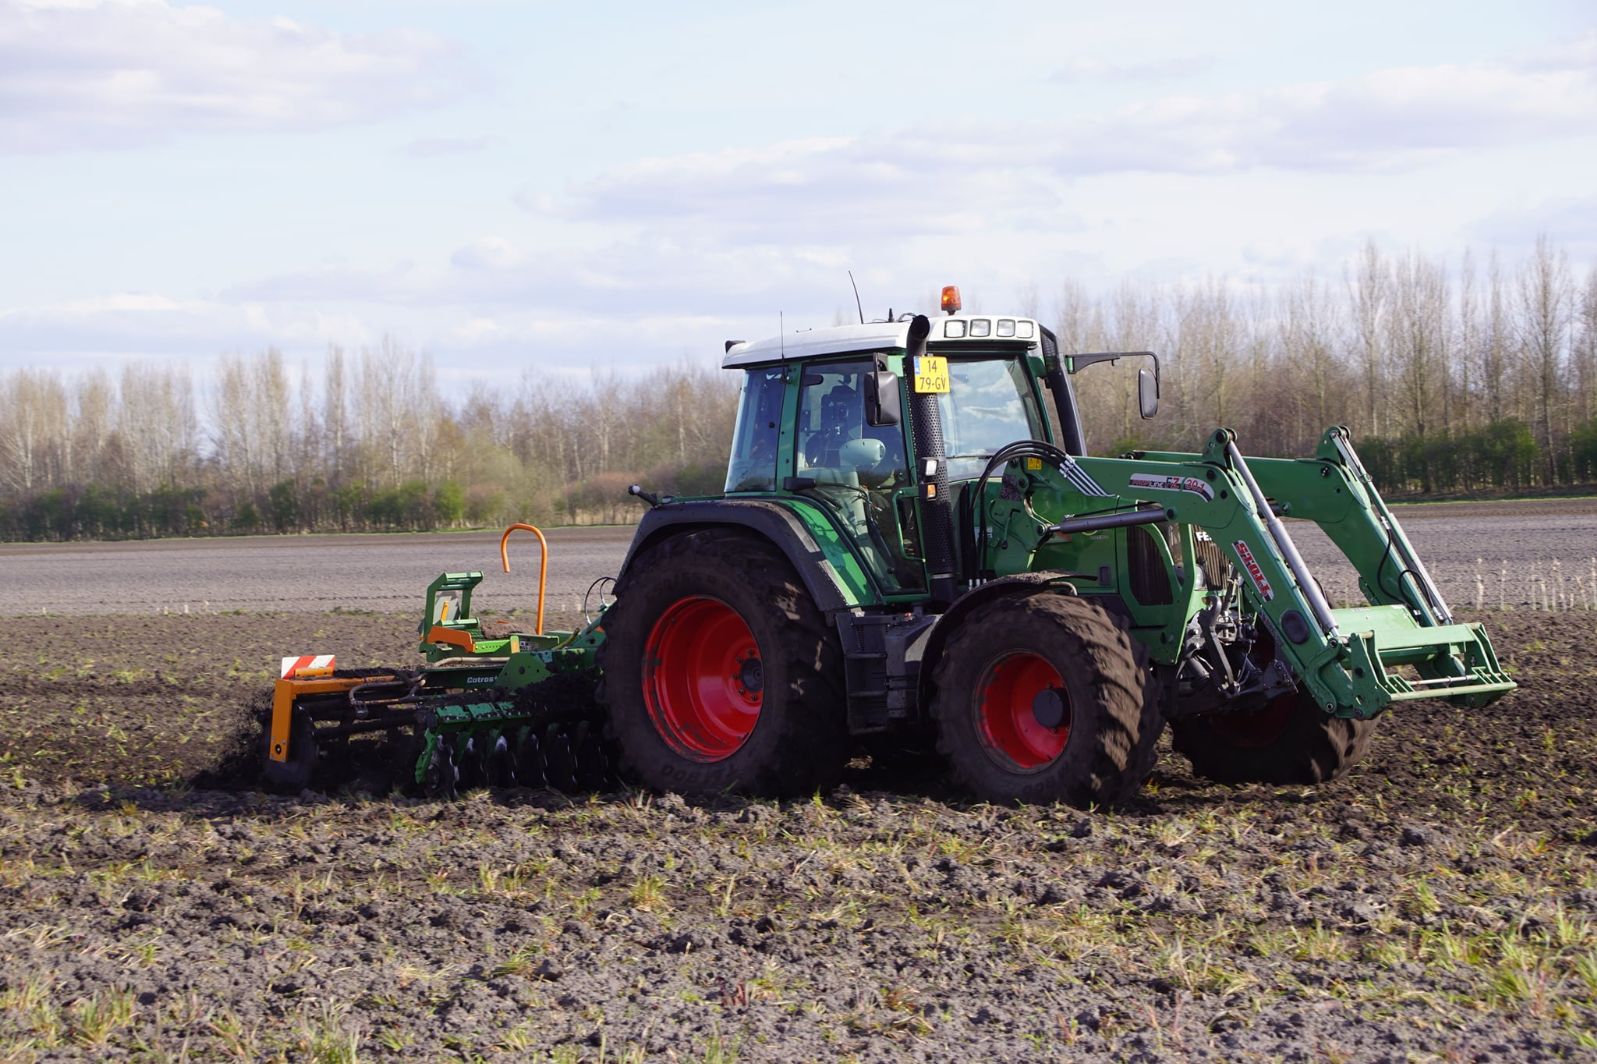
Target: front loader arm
<point>1334,490</point>
<point>1353,662</point>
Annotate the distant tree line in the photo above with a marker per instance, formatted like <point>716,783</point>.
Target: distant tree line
<point>1456,377</point>
<point>370,444</point>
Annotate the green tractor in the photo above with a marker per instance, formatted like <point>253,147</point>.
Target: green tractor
<point>914,550</point>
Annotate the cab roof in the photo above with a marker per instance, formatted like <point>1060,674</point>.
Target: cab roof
<point>948,335</point>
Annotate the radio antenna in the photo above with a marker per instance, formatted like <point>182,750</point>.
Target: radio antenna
<point>781,335</point>
<point>857,304</point>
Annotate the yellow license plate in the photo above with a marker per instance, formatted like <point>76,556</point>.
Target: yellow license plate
<point>931,374</point>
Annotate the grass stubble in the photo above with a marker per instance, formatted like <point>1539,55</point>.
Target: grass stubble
<point>1438,904</point>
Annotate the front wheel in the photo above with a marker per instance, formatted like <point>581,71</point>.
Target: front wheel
<point>1288,741</point>
<point>1046,697</point>
<point>720,674</point>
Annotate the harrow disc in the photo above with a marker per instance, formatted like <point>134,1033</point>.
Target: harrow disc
<point>441,779</point>
<point>474,761</point>
<point>595,772</point>
<point>529,759</point>
<point>546,735</point>
<point>560,760</point>
<point>501,762</point>
<point>400,750</point>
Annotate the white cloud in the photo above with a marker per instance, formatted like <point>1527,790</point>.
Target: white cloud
<point>441,147</point>
<point>1570,222</point>
<point>122,73</point>
<point>620,279</point>
<point>137,324</point>
<point>1091,69</point>
<point>488,253</point>
<point>1576,52</point>
<point>968,179</point>
<point>834,191</point>
<point>1393,117</point>
<point>348,284</point>
<point>576,325</point>
<point>622,267</point>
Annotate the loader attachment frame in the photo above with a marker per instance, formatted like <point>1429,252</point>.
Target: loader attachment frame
<point>1354,662</point>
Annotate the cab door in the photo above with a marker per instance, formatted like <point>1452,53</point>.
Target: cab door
<point>857,471</point>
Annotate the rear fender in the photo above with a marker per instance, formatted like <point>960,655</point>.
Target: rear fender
<point>830,573</point>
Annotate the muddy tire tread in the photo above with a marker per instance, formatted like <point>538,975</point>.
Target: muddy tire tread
<point>1121,719</point>
<point>800,744</point>
<point>1313,749</point>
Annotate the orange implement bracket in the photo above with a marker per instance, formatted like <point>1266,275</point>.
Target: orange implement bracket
<point>286,691</point>
<point>543,562</point>
<point>452,637</point>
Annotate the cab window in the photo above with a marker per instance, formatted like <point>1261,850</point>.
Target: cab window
<point>753,463</point>
<point>989,403</point>
<point>857,471</point>
<point>835,444</point>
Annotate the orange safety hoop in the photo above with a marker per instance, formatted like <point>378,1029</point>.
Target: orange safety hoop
<point>543,561</point>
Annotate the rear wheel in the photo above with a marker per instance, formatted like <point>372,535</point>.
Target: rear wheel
<point>1045,697</point>
<point>1288,741</point>
<point>720,673</point>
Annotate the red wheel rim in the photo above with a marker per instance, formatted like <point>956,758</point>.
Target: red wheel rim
<point>702,678</point>
<point>1015,691</point>
<point>1259,729</point>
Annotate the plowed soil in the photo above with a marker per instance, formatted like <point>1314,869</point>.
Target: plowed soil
<point>1438,903</point>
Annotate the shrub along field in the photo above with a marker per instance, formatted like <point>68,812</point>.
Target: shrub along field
<point>1438,903</point>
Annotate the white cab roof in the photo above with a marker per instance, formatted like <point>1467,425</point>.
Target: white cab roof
<point>948,334</point>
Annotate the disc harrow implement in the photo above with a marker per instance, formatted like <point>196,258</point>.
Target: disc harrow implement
<point>507,711</point>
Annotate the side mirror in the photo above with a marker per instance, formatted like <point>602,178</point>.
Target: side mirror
<point>881,399</point>
<point>1147,393</point>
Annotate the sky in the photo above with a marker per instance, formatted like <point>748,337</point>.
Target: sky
<point>553,188</point>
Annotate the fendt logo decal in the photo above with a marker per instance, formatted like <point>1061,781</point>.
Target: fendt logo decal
<point>1254,572</point>
<point>1163,482</point>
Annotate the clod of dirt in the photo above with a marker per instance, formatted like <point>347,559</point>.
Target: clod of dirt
<point>240,737</point>
<point>1417,836</point>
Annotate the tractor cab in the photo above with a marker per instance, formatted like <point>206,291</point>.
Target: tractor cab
<point>830,416</point>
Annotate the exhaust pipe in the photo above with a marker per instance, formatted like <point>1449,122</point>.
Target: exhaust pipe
<point>931,469</point>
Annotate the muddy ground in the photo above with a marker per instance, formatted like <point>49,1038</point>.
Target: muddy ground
<point>1439,903</point>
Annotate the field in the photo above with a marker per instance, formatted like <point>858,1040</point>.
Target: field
<point>1438,903</point>
<point>385,573</point>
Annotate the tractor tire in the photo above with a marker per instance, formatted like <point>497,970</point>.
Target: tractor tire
<point>1045,697</point>
<point>294,774</point>
<point>1289,741</point>
<point>720,674</point>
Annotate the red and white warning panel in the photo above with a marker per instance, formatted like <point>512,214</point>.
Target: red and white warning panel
<point>308,665</point>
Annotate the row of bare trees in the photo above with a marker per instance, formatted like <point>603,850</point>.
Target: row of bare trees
<point>1411,352</point>
<point>1456,374</point>
<point>370,442</point>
